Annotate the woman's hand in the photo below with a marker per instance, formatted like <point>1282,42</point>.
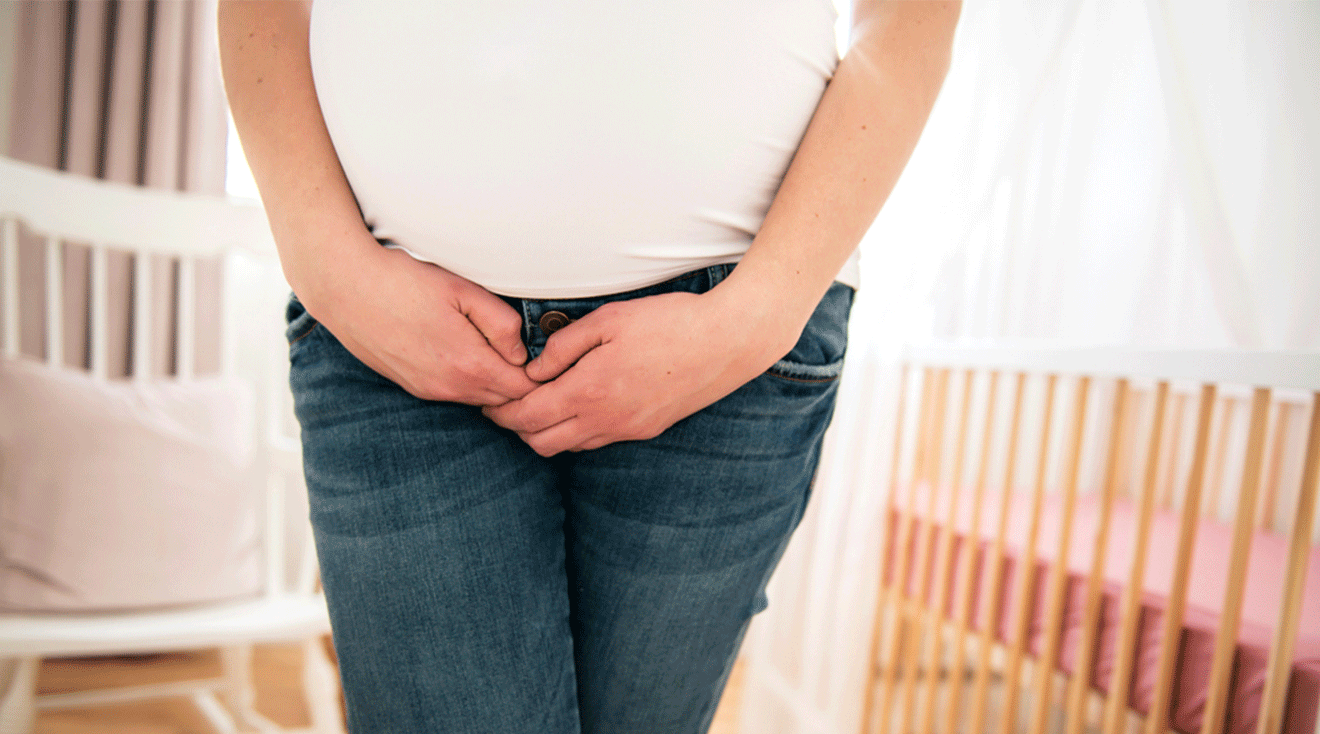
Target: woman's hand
<point>631,369</point>
<point>435,334</point>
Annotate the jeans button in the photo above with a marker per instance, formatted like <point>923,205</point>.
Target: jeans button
<point>552,321</point>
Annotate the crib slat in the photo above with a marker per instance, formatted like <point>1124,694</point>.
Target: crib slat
<point>1285,630</point>
<point>897,590</point>
<point>1120,681</point>
<point>944,564</point>
<point>54,303</point>
<point>877,627</point>
<point>9,285</point>
<point>1216,699</point>
<point>963,603</point>
<point>141,316</point>
<point>1171,457</point>
<point>1127,446</point>
<point>981,689</point>
<point>226,344</point>
<point>1041,688</point>
<point>99,300</point>
<point>899,628</point>
<point>1157,718</point>
<point>934,466</point>
<point>185,347</point>
<point>1026,572</point>
<point>1277,443</point>
<point>1080,682</point>
<point>1216,483</point>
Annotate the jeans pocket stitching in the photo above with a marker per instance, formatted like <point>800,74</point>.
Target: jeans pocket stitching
<point>795,372</point>
<point>305,333</point>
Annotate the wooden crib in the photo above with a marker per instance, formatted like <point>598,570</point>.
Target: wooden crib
<point>1101,541</point>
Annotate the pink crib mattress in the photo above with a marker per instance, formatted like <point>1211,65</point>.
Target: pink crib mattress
<point>1210,563</point>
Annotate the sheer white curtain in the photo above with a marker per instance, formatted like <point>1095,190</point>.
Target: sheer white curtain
<point>1094,173</point>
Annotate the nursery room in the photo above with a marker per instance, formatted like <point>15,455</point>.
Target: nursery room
<point>439,367</point>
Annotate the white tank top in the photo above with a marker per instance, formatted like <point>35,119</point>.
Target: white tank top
<point>546,149</point>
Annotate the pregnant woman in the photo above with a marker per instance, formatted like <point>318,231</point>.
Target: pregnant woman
<point>572,285</point>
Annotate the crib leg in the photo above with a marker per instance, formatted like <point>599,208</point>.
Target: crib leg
<point>18,691</point>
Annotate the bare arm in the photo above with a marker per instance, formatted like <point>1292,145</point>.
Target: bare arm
<point>632,369</point>
<point>435,334</point>
<point>859,140</point>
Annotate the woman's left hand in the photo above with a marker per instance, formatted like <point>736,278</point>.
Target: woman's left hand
<point>631,369</point>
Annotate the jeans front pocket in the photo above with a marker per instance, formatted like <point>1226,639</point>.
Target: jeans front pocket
<point>818,354</point>
<point>300,323</point>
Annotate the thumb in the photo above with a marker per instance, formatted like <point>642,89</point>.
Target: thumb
<point>564,348</point>
<point>499,323</point>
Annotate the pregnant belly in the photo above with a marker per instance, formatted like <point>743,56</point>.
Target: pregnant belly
<point>548,151</point>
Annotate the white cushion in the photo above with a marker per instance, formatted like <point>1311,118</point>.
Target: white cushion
<point>115,495</point>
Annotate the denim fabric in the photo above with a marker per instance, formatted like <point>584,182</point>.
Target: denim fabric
<point>475,586</point>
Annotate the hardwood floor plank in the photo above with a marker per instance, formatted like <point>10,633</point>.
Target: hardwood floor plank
<point>277,673</point>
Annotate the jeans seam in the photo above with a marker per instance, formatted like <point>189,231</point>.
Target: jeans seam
<point>305,334</point>
<point>807,380</point>
<point>527,321</point>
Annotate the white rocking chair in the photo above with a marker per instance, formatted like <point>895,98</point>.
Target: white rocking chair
<point>288,607</point>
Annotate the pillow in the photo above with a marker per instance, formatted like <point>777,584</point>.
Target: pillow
<point>115,495</point>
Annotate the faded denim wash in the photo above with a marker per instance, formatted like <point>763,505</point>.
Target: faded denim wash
<point>475,586</point>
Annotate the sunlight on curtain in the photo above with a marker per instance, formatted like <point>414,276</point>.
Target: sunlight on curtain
<point>1094,173</point>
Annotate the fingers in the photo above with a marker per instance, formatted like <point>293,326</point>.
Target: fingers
<point>497,322</point>
<point>565,436</point>
<point>466,368</point>
<point>564,348</point>
<point>482,379</point>
<point>539,410</point>
<point>490,371</point>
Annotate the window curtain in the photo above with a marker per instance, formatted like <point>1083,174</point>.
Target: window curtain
<point>1094,173</point>
<point>127,91</point>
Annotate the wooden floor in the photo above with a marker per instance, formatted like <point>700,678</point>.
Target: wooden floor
<point>278,676</point>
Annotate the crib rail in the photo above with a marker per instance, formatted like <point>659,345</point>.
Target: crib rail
<point>92,239</point>
<point>995,452</point>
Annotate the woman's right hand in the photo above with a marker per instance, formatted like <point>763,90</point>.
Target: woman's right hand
<point>433,333</point>
<point>436,335</point>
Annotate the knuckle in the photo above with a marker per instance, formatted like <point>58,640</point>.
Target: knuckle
<point>510,320</point>
<point>466,366</point>
<point>540,446</point>
<point>634,429</point>
<point>432,389</point>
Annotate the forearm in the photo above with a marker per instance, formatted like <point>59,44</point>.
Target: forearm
<point>859,140</point>
<point>268,78</point>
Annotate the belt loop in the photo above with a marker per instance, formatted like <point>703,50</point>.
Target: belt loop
<point>715,274</point>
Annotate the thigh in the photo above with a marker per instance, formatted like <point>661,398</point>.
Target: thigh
<point>672,540</point>
<point>441,547</point>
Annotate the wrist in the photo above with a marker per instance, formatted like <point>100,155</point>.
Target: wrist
<point>767,314</point>
<point>328,268</point>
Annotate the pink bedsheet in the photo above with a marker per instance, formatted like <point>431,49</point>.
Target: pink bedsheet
<point>1205,601</point>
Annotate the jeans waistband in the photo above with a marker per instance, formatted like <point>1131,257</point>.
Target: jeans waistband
<point>543,316</point>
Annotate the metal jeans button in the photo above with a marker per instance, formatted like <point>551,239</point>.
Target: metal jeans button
<point>552,321</point>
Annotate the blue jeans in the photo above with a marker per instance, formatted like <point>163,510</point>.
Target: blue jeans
<point>475,586</point>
